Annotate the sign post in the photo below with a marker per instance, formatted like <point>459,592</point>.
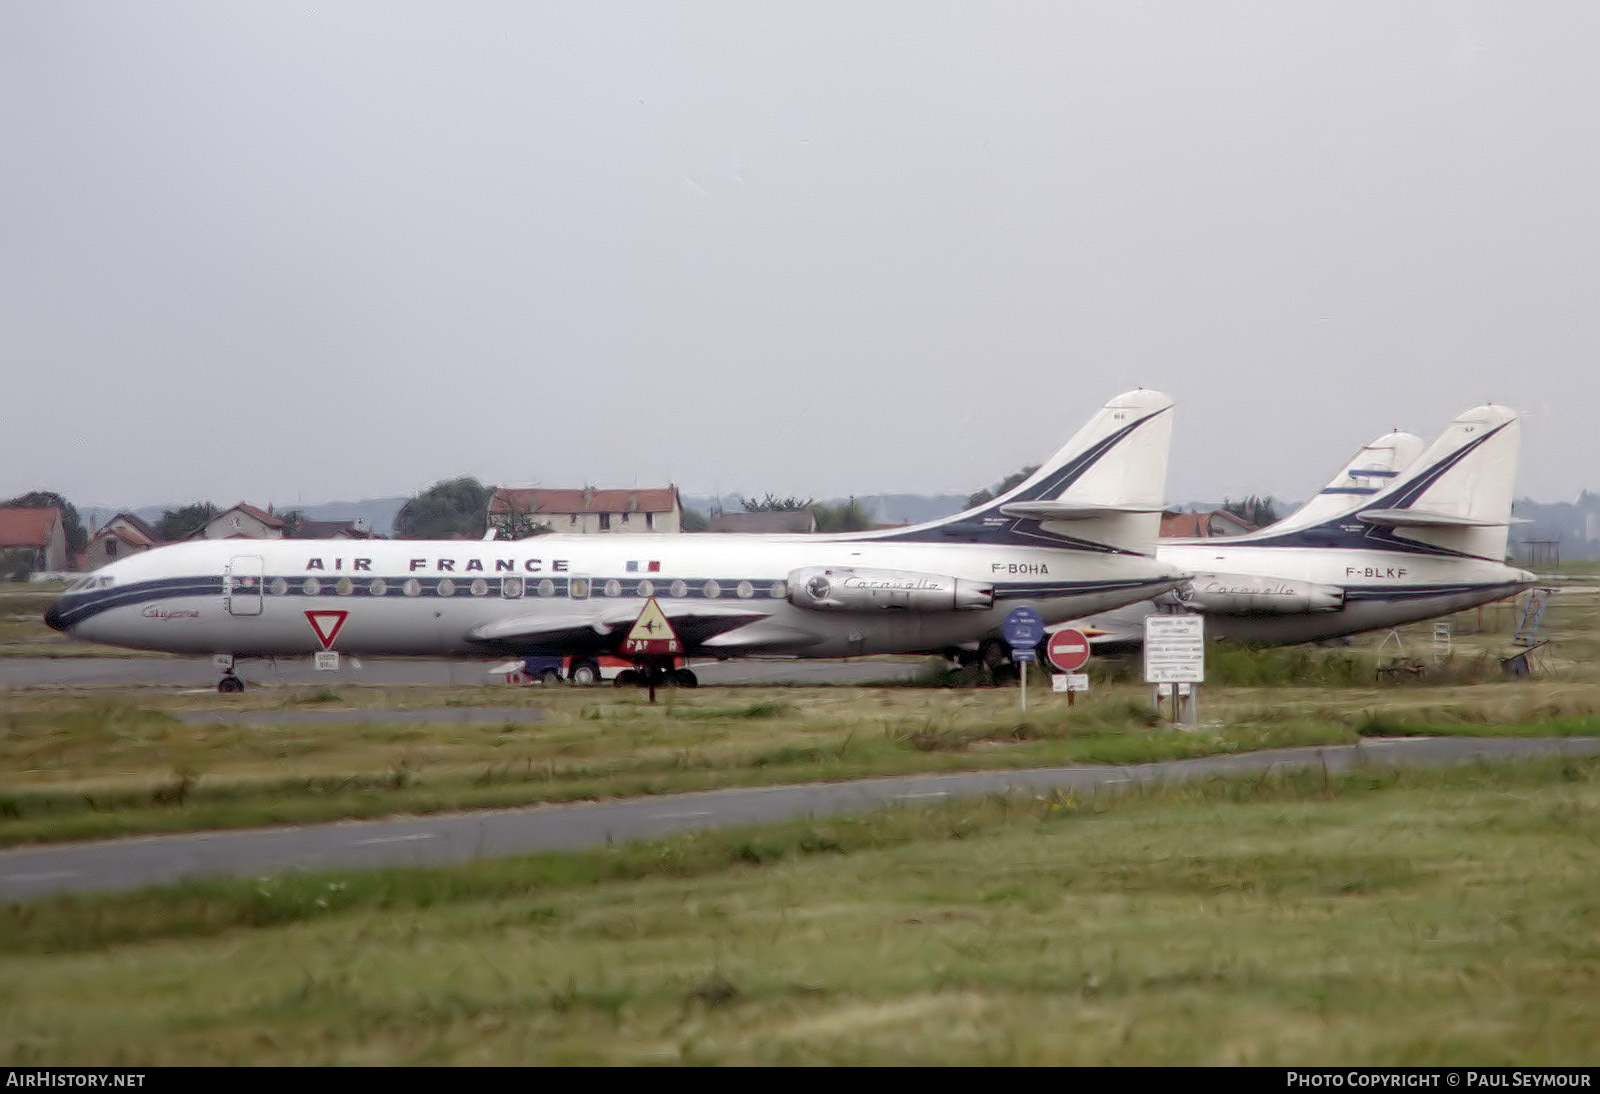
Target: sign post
<point>1441,641</point>
<point>651,636</point>
<point>1022,630</point>
<point>1068,651</point>
<point>1175,653</point>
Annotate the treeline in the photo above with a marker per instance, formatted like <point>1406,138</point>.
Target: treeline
<point>847,516</point>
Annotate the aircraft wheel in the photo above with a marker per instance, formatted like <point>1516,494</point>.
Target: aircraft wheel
<point>993,653</point>
<point>585,674</point>
<point>626,678</point>
<point>550,678</point>
<point>230,685</point>
<point>685,678</point>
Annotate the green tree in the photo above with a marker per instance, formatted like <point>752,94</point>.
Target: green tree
<point>774,504</point>
<point>694,521</point>
<point>850,516</point>
<point>1253,510</point>
<point>516,521</point>
<point>446,510</point>
<point>1006,483</point>
<point>176,524</point>
<point>77,537</point>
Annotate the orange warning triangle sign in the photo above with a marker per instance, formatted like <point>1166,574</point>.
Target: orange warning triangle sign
<point>652,633</point>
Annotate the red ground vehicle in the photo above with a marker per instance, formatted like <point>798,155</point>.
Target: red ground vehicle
<point>586,671</point>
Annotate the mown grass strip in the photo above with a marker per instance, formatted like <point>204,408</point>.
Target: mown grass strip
<point>1424,918</point>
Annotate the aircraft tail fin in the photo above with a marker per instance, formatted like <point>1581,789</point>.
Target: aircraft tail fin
<point>1366,475</point>
<point>1457,495</point>
<point>1452,499</point>
<point>1102,491</point>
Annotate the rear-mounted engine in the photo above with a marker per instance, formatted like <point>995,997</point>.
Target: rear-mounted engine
<point>845,589</point>
<point>1247,594</point>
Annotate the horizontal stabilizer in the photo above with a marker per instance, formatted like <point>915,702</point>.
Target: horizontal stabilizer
<point>1422,518</point>
<point>1061,510</point>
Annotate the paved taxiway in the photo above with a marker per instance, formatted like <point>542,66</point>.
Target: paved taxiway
<point>198,672</point>
<point>32,872</point>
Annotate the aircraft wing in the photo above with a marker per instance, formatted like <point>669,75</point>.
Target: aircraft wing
<point>695,624</point>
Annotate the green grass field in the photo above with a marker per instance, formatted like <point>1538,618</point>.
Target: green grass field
<point>80,763</point>
<point>1423,918</point>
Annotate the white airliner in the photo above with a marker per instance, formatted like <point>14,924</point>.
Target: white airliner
<point>1399,535</point>
<point>1076,537</point>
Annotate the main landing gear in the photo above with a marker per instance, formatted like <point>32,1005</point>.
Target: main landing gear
<point>657,674</point>
<point>990,663</point>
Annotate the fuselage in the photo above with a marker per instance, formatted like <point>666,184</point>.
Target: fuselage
<point>1371,589</point>
<point>374,597</point>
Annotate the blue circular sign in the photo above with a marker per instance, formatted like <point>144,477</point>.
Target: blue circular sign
<point>1023,627</point>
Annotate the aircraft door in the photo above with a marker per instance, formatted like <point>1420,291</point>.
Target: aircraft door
<point>241,585</point>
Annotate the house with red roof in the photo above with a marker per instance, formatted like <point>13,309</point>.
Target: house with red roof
<point>1203,525</point>
<point>123,535</point>
<point>242,522</point>
<point>518,512</point>
<point>32,540</point>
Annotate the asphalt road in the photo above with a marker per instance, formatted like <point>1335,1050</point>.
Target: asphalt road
<point>28,873</point>
<point>198,672</point>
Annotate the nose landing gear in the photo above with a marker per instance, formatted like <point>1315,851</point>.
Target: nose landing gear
<point>229,684</point>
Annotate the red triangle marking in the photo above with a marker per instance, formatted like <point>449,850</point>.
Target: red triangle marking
<point>326,624</point>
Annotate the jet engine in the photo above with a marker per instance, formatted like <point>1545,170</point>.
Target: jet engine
<point>1253,594</point>
<point>845,589</point>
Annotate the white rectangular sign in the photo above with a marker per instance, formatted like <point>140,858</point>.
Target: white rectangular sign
<point>1174,649</point>
<point>327,660</point>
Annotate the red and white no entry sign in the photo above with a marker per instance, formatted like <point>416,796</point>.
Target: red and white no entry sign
<point>1068,650</point>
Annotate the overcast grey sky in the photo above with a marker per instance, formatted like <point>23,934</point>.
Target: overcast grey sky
<point>305,251</point>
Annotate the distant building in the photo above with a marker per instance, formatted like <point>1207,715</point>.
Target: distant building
<point>242,522</point>
<point>516,512</point>
<point>331,529</point>
<point>1212,522</point>
<point>121,536</point>
<point>791,520</point>
<point>32,540</point>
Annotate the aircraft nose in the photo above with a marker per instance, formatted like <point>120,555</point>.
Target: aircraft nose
<point>53,618</point>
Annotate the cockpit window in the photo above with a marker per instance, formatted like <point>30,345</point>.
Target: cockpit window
<point>93,581</point>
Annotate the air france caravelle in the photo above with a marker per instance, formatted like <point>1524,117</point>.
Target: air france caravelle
<point>1077,536</point>
<point>1399,535</point>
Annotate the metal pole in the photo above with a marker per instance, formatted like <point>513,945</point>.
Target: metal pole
<point>1024,687</point>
